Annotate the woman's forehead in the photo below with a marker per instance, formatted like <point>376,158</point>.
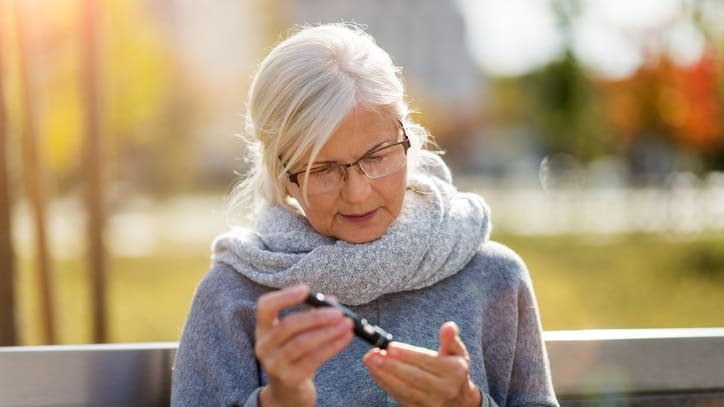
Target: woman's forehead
<point>360,131</point>
<point>354,140</point>
<point>368,120</point>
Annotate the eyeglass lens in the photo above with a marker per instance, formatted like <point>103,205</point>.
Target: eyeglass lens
<point>376,164</point>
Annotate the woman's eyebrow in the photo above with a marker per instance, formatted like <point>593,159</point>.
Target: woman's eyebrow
<point>320,163</point>
<point>376,146</point>
<point>332,162</point>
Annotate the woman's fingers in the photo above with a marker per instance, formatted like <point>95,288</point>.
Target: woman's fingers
<point>310,361</point>
<point>414,375</point>
<point>395,386</point>
<point>292,348</point>
<point>422,358</point>
<point>410,374</point>
<point>295,324</point>
<point>270,304</point>
<point>305,343</point>
<point>434,362</point>
<point>418,370</point>
<point>450,342</point>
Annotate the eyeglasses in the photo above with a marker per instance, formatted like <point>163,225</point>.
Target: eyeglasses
<point>376,163</point>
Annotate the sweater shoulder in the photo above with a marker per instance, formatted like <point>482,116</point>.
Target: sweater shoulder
<point>222,288</point>
<point>219,280</point>
<point>499,264</point>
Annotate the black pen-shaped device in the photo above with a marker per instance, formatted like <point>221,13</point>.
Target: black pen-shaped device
<point>371,333</point>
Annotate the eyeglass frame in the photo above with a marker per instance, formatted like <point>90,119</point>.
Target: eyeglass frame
<point>293,177</point>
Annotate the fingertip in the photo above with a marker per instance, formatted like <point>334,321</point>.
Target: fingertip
<point>453,326</point>
<point>300,290</point>
<point>449,330</point>
<point>392,345</point>
<point>368,356</point>
<point>373,357</point>
<point>345,326</point>
<point>450,341</point>
<point>345,339</point>
<point>392,351</point>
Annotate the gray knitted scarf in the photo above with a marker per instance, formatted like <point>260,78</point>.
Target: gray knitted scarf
<point>437,233</point>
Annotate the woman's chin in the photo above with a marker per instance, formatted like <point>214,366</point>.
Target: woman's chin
<point>359,236</point>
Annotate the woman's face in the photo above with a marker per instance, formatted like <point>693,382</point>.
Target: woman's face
<point>363,209</point>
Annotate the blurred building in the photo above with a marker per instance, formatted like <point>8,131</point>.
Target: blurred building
<point>215,50</point>
<point>218,47</point>
<point>427,39</point>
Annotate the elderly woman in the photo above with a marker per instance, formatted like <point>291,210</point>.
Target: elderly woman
<point>347,202</point>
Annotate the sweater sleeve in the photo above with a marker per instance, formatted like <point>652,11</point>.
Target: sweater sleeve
<point>530,381</point>
<point>516,360</point>
<point>215,363</point>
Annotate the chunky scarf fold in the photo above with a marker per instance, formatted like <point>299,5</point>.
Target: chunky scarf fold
<point>437,233</point>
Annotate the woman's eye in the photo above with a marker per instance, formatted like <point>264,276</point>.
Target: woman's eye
<point>322,170</point>
<point>375,158</point>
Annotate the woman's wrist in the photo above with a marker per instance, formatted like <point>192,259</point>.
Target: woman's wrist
<point>274,396</point>
<point>470,396</point>
<point>265,398</point>
<point>475,395</point>
<point>268,398</point>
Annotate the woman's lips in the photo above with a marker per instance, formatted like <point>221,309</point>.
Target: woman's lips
<point>361,218</point>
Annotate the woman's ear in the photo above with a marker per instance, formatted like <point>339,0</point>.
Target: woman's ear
<point>289,190</point>
<point>294,205</point>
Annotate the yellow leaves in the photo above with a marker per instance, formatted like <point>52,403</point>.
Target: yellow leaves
<point>136,65</point>
<point>133,68</point>
<point>63,127</point>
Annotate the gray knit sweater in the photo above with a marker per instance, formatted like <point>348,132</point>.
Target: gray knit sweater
<point>491,300</point>
<point>433,264</point>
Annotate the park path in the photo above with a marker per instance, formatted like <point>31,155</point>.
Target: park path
<point>142,226</point>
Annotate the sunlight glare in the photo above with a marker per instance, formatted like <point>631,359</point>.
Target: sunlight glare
<point>512,37</point>
<point>604,50</point>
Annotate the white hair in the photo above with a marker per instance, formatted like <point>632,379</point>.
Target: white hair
<point>300,94</point>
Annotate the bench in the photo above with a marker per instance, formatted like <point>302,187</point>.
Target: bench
<point>654,367</point>
<point>641,367</point>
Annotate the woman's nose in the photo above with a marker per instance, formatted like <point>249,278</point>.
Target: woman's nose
<point>356,187</point>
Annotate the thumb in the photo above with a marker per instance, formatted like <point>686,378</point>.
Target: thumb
<point>450,342</point>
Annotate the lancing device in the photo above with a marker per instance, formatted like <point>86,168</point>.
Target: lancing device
<point>371,333</point>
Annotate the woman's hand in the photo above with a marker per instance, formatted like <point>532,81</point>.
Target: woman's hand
<point>421,377</point>
<point>291,349</point>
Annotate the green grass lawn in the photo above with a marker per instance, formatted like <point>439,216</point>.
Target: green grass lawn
<point>148,298</point>
<point>632,281</point>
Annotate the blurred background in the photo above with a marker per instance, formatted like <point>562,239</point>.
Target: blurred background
<point>593,129</point>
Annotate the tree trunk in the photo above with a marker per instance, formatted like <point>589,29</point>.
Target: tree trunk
<point>34,173</point>
<point>93,170</point>
<point>8,334</point>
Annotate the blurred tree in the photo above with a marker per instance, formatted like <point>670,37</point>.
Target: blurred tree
<point>94,170</point>
<point>661,103</point>
<point>8,334</point>
<point>560,101</point>
<point>711,27</point>
<point>677,106</point>
<point>566,110</point>
<point>154,101</point>
<point>150,112</point>
<point>563,99</point>
<point>34,169</point>
<point>690,103</point>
